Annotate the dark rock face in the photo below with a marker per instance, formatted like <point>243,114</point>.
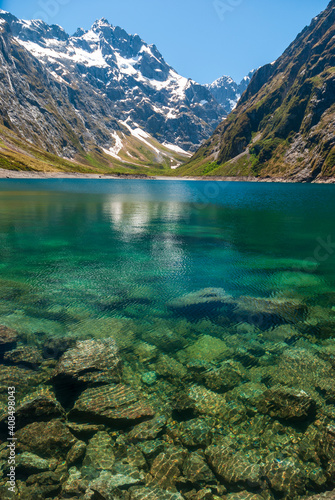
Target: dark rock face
<point>283,124</point>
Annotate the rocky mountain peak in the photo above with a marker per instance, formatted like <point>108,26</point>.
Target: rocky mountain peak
<point>102,90</point>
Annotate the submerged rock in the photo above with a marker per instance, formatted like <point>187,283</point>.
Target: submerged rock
<point>195,432</point>
<point>206,348</point>
<point>149,378</point>
<point>201,401</point>
<point>123,476</point>
<point>202,303</point>
<point>265,313</point>
<point>89,356</point>
<point>168,367</point>
<point>153,494</point>
<point>286,476</point>
<point>145,352</point>
<point>23,379</point>
<point>115,404</point>
<point>244,495</point>
<point>47,439</point>
<point>44,484</point>
<point>286,403</point>
<point>147,430</point>
<point>26,356</point>
<point>233,467</point>
<point>29,463</point>
<point>38,406</point>
<point>99,452</point>
<point>329,495</point>
<point>164,339</point>
<point>76,452</point>
<point>8,338</point>
<point>229,375</point>
<point>75,486</point>
<point>166,468</point>
<point>196,470</point>
<point>151,449</point>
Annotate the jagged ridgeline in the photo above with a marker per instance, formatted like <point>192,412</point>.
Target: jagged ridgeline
<point>98,99</point>
<point>284,123</point>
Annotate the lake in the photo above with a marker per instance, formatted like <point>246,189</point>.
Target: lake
<point>217,300</point>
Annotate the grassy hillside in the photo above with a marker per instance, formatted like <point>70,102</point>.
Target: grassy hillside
<point>135,158</point>
<point>284,124</point>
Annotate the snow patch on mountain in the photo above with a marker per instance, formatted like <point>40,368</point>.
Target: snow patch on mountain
<point>177,149</point>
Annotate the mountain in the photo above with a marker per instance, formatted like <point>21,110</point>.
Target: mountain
<point>99,98</point>
<point>285,121</point>
<point>227,92</point>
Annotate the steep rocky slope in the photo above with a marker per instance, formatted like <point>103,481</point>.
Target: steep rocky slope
<point>284,123</point>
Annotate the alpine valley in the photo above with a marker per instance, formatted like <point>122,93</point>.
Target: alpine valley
<point>99,101</point>
<point>283,126</point>
<point>103,101</point>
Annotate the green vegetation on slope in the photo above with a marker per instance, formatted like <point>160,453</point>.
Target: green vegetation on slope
<point>284,124</point>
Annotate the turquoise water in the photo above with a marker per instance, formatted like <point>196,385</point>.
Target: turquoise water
<point>76,251</point>
<point>221,300</point>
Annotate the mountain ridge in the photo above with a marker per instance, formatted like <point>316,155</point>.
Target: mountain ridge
<point>283,125</point>
<point>85,97</point>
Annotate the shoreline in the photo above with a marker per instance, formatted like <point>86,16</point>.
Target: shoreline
<point>15,174</point>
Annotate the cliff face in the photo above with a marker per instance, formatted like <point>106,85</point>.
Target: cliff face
<point>284,124</point>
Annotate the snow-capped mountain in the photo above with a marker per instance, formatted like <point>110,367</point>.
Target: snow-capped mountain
<point>100,93</point>
<point>140,87</point>
<point>227,92</point>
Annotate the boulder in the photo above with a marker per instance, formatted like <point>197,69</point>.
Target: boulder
<point>195,432</point>
<point>202,303</point>
<point>90,357</point>
<point>206,348</point>
<point>115,404</point>
<point>286,476</point>
<point>286,403</point>
<point>41,405</point>
<point>46,439</point>
<point>233,467</point>
<point>153,494</point>
<point>266,313</point>
<point>147,430</point>
<point>27,356</point>
<point>166,469</point>
<point>8,338</point>
<point>196,470</point>
<point>229,375</point>
<point>99,452</point>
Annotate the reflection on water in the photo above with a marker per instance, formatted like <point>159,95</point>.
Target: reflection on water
<point>220,298</point>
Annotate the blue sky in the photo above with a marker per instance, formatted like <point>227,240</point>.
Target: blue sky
<point>201,39</point>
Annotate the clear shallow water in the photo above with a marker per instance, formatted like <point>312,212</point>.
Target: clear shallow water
<point>221,299</point>
<point>73,251</point>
